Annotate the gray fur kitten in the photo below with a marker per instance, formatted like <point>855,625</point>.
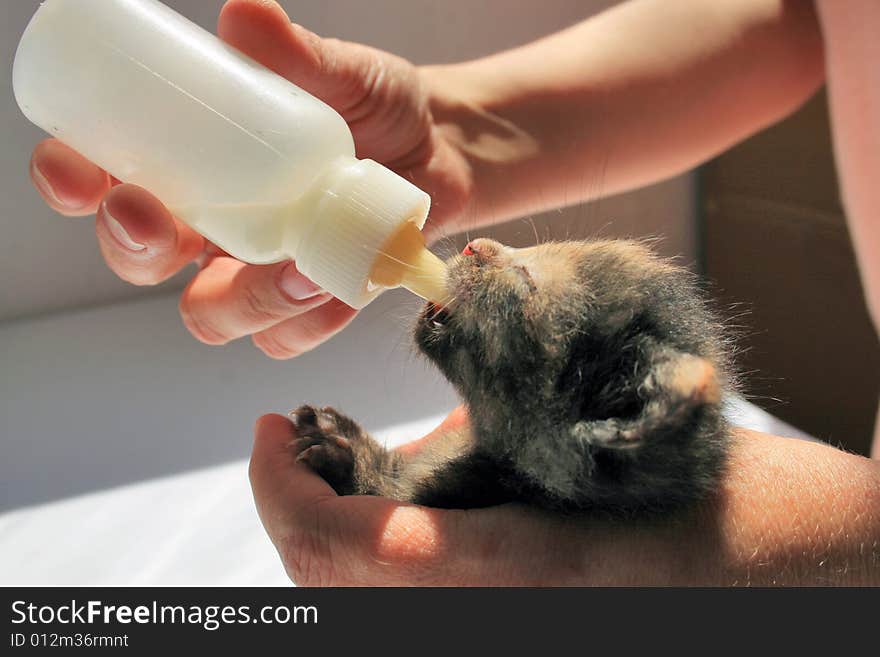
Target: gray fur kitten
<point>592,373</point>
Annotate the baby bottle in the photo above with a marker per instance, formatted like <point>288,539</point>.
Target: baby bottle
<point>248,159</point>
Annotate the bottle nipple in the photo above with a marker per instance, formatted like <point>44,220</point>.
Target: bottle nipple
<point>405,261</point>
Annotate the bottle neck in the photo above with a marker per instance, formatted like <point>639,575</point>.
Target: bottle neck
<point>350,214</point>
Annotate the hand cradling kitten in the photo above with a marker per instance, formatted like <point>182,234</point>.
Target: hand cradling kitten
<point>593,375</point>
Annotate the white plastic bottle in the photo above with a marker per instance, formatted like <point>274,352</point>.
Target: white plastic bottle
<point>249,160</point>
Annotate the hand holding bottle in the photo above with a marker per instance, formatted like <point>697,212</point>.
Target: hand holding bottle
<point>384,100</point>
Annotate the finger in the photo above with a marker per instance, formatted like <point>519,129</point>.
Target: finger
<point>68,182</point>
<point>378,94</point>
<point>457,420</point>
<point>140,240</point>
<point>284,489</point>
<point>229,299</point>
<point>296,336</point>
<point>336,72</point>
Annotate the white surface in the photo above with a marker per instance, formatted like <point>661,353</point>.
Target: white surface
<point>193,529</point>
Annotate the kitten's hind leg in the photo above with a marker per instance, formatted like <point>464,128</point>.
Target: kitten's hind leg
<point>668,455</point>
<point>678,388</point>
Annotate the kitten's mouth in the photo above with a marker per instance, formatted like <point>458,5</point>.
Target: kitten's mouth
<point>436,315</point>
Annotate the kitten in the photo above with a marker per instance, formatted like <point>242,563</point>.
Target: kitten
<point>592,373</point>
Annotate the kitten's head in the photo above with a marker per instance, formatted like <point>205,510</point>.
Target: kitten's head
<point>522,323</point>
<point>511,315</point>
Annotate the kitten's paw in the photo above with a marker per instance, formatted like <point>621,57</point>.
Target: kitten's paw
<point>324,442</point>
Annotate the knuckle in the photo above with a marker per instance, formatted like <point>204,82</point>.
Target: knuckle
<point>365,87</point>
<point>274,348</point>
<point>255,307</point>
<point>200,330</point>
<point>311,334</point>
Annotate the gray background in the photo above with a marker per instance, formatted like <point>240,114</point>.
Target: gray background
<point>102,386</point>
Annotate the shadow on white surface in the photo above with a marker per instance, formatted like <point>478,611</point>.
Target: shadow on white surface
<point>194,529</point>
<point>108,396</point>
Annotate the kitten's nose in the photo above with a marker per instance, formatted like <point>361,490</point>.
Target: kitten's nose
<point>482,247</point>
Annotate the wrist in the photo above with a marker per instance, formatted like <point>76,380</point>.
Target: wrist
<point>482,145</point>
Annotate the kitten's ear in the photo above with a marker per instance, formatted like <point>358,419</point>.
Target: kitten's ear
<point>678,389</point>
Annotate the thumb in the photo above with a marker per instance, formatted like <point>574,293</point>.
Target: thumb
<point>285,490</point>
<point>337,72</point>
<point>379,95</point>
<point>456,422</point>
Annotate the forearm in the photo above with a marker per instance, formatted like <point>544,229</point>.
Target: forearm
<point>632,96</point>
<point>789,513</point>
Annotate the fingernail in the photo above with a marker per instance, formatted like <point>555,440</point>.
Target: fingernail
<point>118,231</point>
<point>43,184</point>
<point>297,286</point>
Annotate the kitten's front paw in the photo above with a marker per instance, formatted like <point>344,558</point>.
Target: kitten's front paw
<point>324,441</point>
